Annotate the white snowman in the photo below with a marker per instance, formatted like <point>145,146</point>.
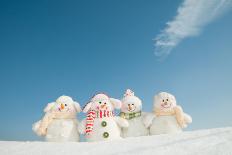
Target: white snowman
<point>100,123</point>
<point>131,110</point>
<point>59,123</point>
<point>168,117</point>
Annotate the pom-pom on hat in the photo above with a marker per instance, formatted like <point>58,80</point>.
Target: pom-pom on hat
<point>129,93</point>
<point>129,96</point>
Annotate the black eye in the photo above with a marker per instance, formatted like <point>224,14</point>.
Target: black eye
<point>163,100</point>
<point>133,104</point>
<point>105,103</point>
<point>167,99</point>
<point>100,102</point>
<point>65,104</point>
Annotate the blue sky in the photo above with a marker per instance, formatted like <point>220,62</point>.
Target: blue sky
<point>78,48</point>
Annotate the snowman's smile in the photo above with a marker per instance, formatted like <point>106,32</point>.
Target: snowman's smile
<point>166,105</point>
<point>61,110</point>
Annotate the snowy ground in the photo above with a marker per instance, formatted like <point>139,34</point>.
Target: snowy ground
<point>210,142</point>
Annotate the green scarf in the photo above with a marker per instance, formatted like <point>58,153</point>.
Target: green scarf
<point>130,115</point>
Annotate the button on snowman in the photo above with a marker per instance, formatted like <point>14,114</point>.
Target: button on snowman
<point>100,123</point>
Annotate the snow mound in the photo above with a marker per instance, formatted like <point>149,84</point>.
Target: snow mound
<point>211,141</point>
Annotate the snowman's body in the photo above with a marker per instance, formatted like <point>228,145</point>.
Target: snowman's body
<point>168,117</point>
<point>100,123</point>
<point>62,130</point>
<point>136,128</point>
<point>104,129</point>
<point>164,125</point>
<point>59,123</point>
<point>131,110</point>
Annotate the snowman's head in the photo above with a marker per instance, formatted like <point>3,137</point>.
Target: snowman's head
<point>164,101</point>
<point>102,102</point>
<point>63,104</point>
<point>130,102</point>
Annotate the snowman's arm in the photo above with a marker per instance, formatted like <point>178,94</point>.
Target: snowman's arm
<point>147,120</point>
<point>81,126</point>
<point>35,127</point>
<point>188,118</point>
<point>123,123</point>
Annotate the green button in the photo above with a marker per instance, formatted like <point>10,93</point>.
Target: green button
<point>105,134</point>
<point>104,123</point>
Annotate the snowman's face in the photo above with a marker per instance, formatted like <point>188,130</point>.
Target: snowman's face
<point>131,104</point>
<point>101,104</point>
<point>165,101</point>
<point>63,107</point>
<point>64,104</point>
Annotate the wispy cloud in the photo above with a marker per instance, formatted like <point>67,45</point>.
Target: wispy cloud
<point>192,16</point>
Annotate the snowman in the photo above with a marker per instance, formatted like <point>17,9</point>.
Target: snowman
<point>59,123</point>
<point>131,110</point>
<point>100,123</point>
<point>168,117</point>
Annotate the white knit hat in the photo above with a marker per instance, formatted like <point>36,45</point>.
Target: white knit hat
<point>129,95</point>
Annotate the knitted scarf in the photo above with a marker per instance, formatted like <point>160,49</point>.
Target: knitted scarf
<point>176,111</point>
<point>91,115</point>
<point>129,116</point>
<point>50,116</point>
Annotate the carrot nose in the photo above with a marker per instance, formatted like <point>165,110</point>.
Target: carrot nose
<point>102,106</point>
<point>129,106</point>
<point>62,106</point>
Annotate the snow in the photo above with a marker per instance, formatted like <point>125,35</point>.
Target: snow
<point>211,141</point>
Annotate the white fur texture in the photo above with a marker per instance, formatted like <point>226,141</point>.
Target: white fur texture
<point>122,123</point>
<point>131,104</point>
<point>136,128</point>
<point>165,124</point>
<point>61,130</point>
<point>148,119</point>
<point>103,102</point>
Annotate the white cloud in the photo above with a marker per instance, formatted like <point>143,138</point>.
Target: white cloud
<point>192,16</point>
